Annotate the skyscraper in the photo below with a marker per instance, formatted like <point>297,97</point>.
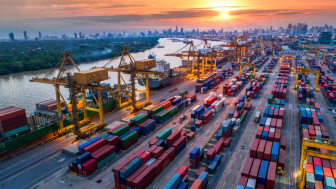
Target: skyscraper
<point>197,31</point>
<point>75,35</point>
<point>40,35</point>
<point>181,31</point>
<point>25,35</point>
<point>103,34</point>
<point>11,36</point>
<point>176,29</point>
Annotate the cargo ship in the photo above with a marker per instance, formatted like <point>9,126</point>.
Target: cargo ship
<point>167,79</point>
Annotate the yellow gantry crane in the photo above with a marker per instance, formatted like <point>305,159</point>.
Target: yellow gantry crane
<point>287,58</point>
<point>305,70</point>
<point>77,83</point>
<point>324,56</point>
<point>247,65</point>
<point>311,142</point>
<point>134,69</point>
<point>313,51</point>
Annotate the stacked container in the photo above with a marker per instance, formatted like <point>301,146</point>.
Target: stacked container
<point>13,121</point>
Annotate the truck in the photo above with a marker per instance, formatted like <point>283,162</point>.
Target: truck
<point>257,117</point>
<point>236,125</point>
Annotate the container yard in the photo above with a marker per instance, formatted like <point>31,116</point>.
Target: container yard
<point>250,124</point>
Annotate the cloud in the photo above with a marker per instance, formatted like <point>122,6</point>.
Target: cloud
<point>81,6</point>
<point>265,12</point>
<point>219,7</point>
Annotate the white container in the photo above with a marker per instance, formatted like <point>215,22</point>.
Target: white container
<point>251,183</point>
<point>204,51</point>
<point>205,101</point>
<point>272,130</point>
<point>235,129</point>
<point>194,109</point>
<point>318,134</point>
<point>150,161</point>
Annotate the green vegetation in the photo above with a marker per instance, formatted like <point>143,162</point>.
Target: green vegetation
<point>35,55</point>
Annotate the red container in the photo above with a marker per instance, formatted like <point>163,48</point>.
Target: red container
<point>152,148</point>
<point>197,184</point>
<point>104,154</point>
<point>243,181</point>
<point>125,147</point>
<point>260,151</point>
<point>183,171</point>
<point>157,152</point>
<point>95,146</point>
<point>282,158</point>
<point>200,170</point>
<point>268,149</point>
<point>277,137</point>
<point>211,154</point>
<point>158,167</point>
<point>247,167</point>
<point>135,174</point>
<point>173,137</point>
<point>258,134</point>
<point>144,179</point>
<point>283,142</point>
<point>11,112</point>
<point>89,167</point>
<point>255,168</point>
<point>143,123</point>
<point>178,143</point>
<point>270,136</point>
<point>254,147</point>
<point>270,182</point>
<point>145,156</point>
<point>281,113</point>
<point>279,123</point>
<point>195,162</point>
<point>152,142</point>
<point>171,153</point>
<point>266,129</point>
<point>165,160</point>
<point>327,172</point>
<point>325,134</point>
<point>117,168</point>
<point>139,153</point>
<point>317,161</point>
<point>326,163</point>
<point>115,128</point>
<point>273,122</point>
<point>227,142</point>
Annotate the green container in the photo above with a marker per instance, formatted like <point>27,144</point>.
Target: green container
<point>140,119</point>
<point>306,106</point>
<point>136,117</point>
<point>164,115</point>
<point>184,92</point>
<point>270,98</point>
<point>277,106</point>
<point>173,111</point>
<point>241,118</point>
<point>156,110</point>
<point>302,112</point>
<point>129,138</point>
<point>278,101</point>
<point>122,130</point>
<point>105,135</point>
<point>308,95</point>
<point>164,134</point>
<point>179,110</point>
<point>15,131</point>
<point>106,160</point>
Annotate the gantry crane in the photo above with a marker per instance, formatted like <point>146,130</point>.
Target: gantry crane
<point>313,51</point>
<point>247,65</point>
<point>77,83</point>
<point>311,142</point>
<point>134,69</point>
<point>324,55</point>
<point>287,58</point>
<point>305,70</point>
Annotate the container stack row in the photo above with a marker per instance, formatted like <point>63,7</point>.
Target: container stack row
<point>328,89</point>
<point>261,60</point>
<point>140,169</point>
<point>95,153</point>
<point>255,86</point>
<point>320,173</point>
<point>270,66</point>
<point>178,179</point>
<point>206,85</point>
<point>13,121</point>
<point>331,64</point>
<point>314,65</point>
<point>233,86</point>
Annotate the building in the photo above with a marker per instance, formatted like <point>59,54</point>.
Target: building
<point>40,35</point>
<point>110,35</point>
<point>325,38</point>
<point>75,35</point>
<point>97,35</point>
<point>11,36</point>
<point>181,31</point>
<point>304,29</point>
<point>25,35</point>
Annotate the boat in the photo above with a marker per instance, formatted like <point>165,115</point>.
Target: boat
<point>160,46</point>
<point>167,79</point>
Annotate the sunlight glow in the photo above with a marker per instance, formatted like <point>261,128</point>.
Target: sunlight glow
<point>224,15</point>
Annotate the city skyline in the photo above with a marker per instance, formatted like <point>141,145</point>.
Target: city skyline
<point>66,17</point>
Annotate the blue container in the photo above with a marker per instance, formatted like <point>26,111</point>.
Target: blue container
<point>240,106</point>
<point>329,183</point>
<point>148,127</point>
<point>200,117</point>
<point>255,95</point>
<point>266,112</point>
<point>204,178</point>
<point>303,117</point>
<point>137,129</point>
<point>193,127</point>
<point>160,143</point>
<point>212,167</point>
<point>231,112</point>
<point>282,102</point>
<point>108,137</point>
<point>162,100</point>
<point>264,135</point>
<point>183,185</point>
<point>304,126</point>
<point>240,187</point>
<point>83,158</point>
<point>176,101</point>
<point>217,158</point>
<point>199,110</point>
<point>270,113</point>
<point>157,115</point>
<point>180,149</point>
<point>173,182</point>
<point>219,135</point>
<point>275,151</point>
<point>194,152</point>
<point>262,173</point>
<point>130,167</point>
<point>318,173</point>
<point>75,164</point>
<point>263,121</point>
<point>208,161</point>
<point>80,148</point>
<point>164,120</point>
<point>242,99</point>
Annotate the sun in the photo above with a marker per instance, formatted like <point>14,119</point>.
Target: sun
<point>224,15</point>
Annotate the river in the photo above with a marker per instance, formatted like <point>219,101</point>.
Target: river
<point>16,90</point>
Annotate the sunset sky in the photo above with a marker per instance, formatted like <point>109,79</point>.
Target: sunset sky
<point>68,16</point>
